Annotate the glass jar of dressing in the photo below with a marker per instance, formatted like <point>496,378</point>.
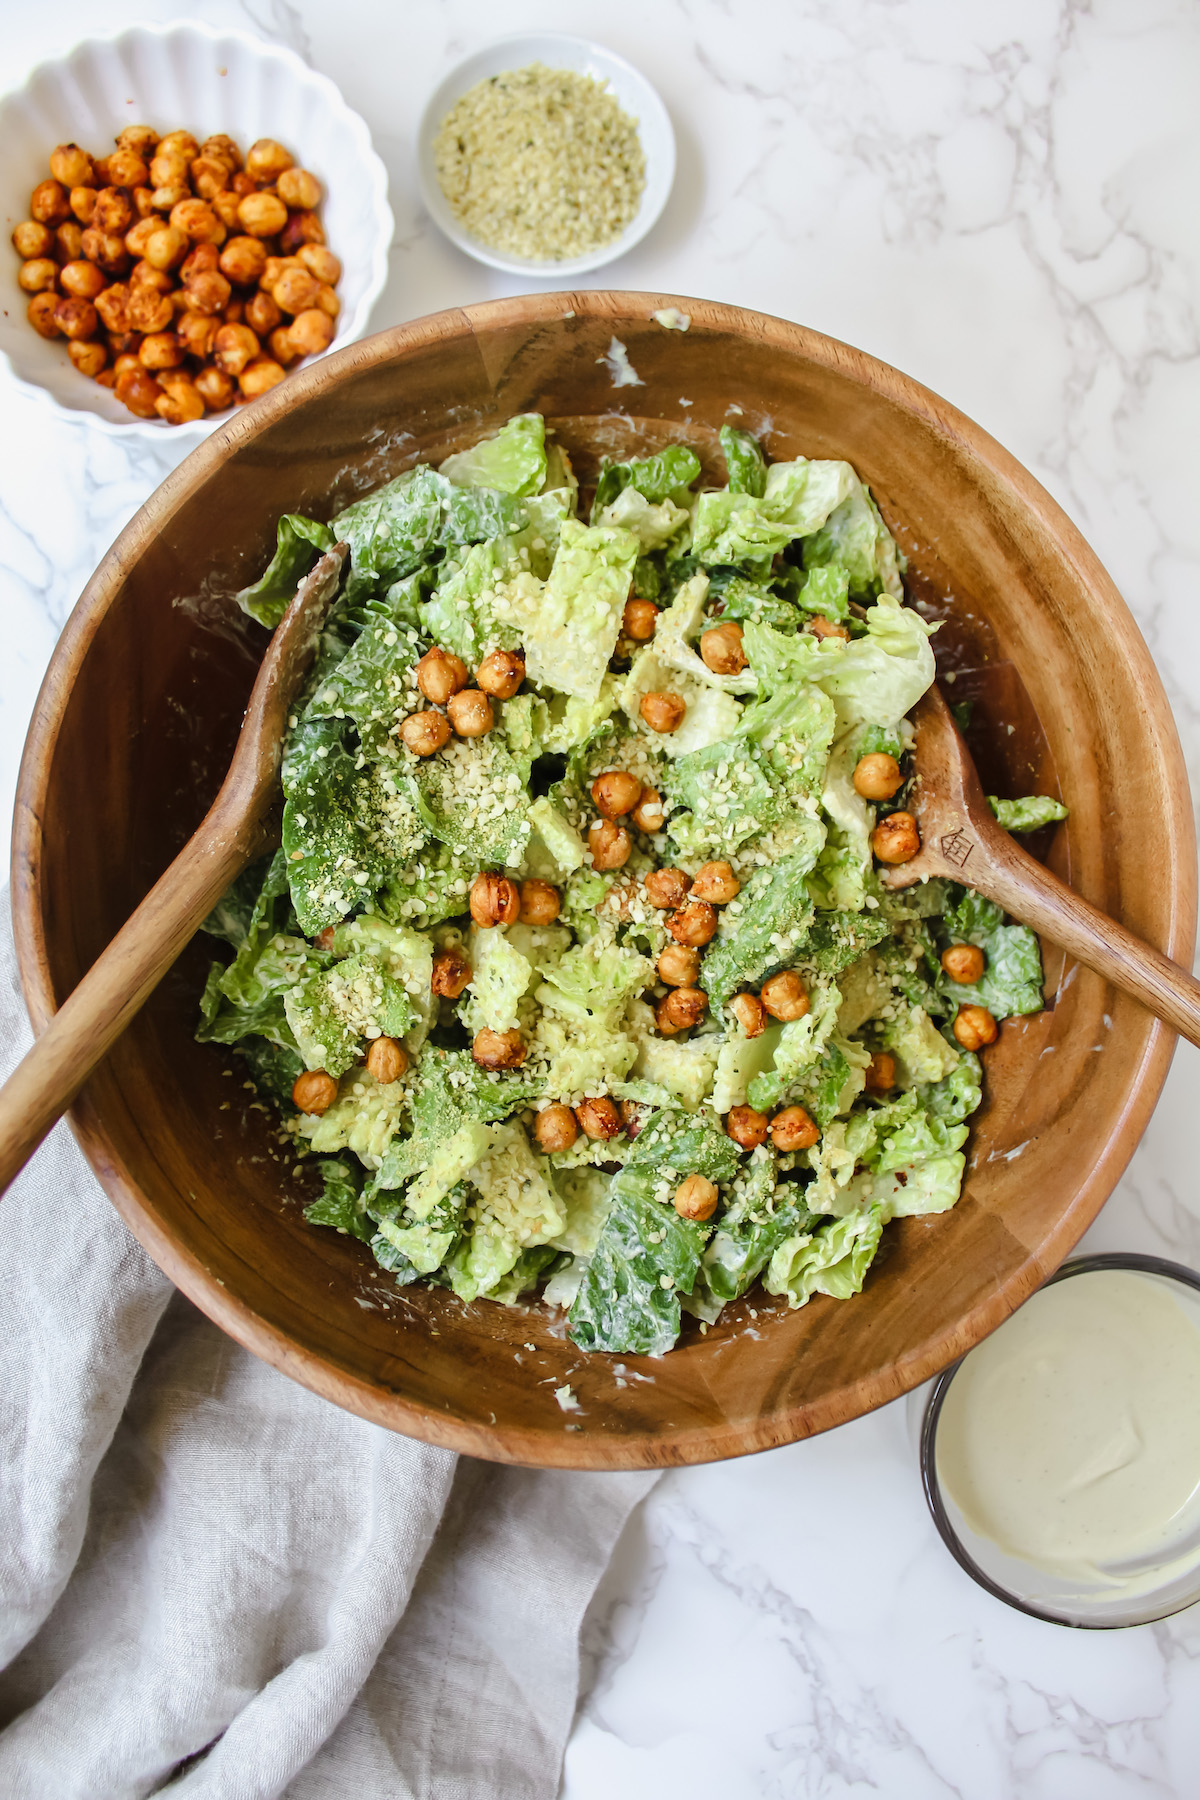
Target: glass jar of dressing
<point>1061,1457</point>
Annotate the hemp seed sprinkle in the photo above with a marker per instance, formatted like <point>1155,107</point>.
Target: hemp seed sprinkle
<point>541,163</point>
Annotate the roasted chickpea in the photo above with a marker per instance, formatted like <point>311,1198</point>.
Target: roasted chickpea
<point>881,1073</point>
<point>679,1010</point>
<point>494,900</point>
<point>267,159</point>
<point>243,260</point>
<point>649,815</point>
<point>609,843</point>
<point>71,165</point>
<point>139,235</point>
<point>696,1198</point>
<point>785,996</point>
<point>113,306</point>
<point>440,674</point>
<point>750,1014</point>
<point>161,350</point>
<point>262,215</point>
<point>76,318</point>
<point>616,793</point>
<point>209,174</point>
<point>89,357</point>
<point>181,401</point>
<point>149,310</point>
<point>82,202</point>
<point>386,1060</point>
<point>139,392</point>
<point>114,211</point>
<point>281,346</point>
<point>721,649</point>
<point>225,205</point>
<point>165,247</point>
<point>501,673</point>
<point>974,1027</point>
<point>451,973</point>
<point>168,169</point>
<point>40,313</point>
<point>793,1129</point>
<point>178,143</point>
<point>424,733</point>
<point>312,332</point>
<point>242,184</point>
<point>667,887</point>
<point>540,903</point>
<point>963,962</point>
<point>100,178</point>
<point>633,1117</point>
<point>199,261</point>
<point>68,242</point>
<point>144,274</point>
<point>49,204</point>
<point>314,1091</point>
<point>262,315</point>
<point>679,966</point>
<point>223,147</point>
<point>716,883</point>
<point>746,1127</point>
<point>143,201</point>
<point>320,262</point>
<point>197,333</point>
<point>274,266</point>
<point>555,1128</point>
<point>499,1049</point>
<point>301,228</point>
<point>299,190</point>
<point>38,275</point>
<point>32,240</point>
<point>878,776</point>
<point>826,628</point>
<point>142,139</point>
<point>162,199</point>
<point>639,620</point>
<point>233,346</point>
<point>328,302</point>
<point>663,712</point>
<point>234,313</point>
<point>296,290</point>
<point>599,1118</point>
<point>207,292</point>
<point>695,923</point>
<point>214,388</point>
<point>126,169</point>
<point>470,713</point>
<point>127,362</point>
<point>896,838</point>
<point>106,249</point>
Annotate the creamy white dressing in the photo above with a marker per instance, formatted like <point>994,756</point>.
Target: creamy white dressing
<point>1071,1437</point>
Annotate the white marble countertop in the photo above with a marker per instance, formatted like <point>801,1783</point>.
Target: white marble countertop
<point>998,196</point>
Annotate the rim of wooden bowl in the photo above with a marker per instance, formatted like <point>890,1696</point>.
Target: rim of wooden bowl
<point>519,1444</point>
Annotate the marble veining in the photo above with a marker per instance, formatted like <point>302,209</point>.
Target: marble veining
<point>999,198</point>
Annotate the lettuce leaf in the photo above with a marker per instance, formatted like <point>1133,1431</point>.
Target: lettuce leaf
<point>341,1205</point>
<point>772,919</point>
<point>298,543</point>
<point>1011,982</point>
<point>645,1257</point>
<point>1027,814</point>
<point>572,631</point>
<point>832,1260</point>
<point>512,460</point>
<point>745,464</point>
<point>662,477</point>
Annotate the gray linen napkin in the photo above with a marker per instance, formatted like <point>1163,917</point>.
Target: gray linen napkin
<point>214,1582</point>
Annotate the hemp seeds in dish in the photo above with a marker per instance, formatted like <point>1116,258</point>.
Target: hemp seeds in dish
<point>541,163</point>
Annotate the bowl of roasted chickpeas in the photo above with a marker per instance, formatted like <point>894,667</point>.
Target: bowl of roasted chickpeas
<point>192,215</point>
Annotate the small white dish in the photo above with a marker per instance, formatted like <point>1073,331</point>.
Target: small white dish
<point>185,77</point>
<point>634,95</point>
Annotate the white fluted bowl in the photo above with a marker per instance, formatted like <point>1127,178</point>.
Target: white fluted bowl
<point>185,77</point>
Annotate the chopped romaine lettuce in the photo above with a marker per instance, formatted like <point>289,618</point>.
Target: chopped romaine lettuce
<point>299,542</point>
<point>1027,814</point>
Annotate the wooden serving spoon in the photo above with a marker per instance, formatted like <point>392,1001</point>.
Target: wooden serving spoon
<point>961,839</point>
<point>235,829</point>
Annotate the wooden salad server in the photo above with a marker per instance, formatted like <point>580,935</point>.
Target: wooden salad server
<point>236,828</point>
<point>961,839</point>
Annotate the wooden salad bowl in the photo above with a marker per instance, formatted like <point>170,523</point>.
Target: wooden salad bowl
<point>133,733</point>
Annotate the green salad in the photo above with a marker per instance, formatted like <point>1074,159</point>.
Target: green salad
<point>575,971</point>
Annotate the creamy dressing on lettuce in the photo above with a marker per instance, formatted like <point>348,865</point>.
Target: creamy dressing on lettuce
<point>333,940</point>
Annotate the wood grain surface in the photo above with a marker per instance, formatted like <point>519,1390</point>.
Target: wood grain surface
<point>137,719</point>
